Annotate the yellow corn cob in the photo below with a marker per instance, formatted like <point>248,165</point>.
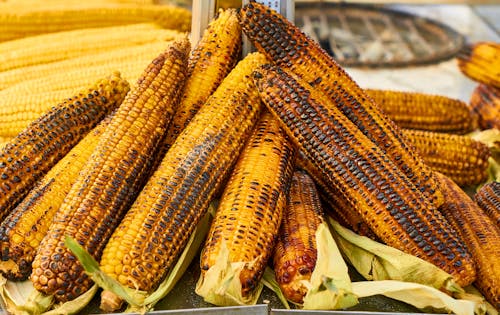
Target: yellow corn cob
<point>23,229</point>
<point>479,233</point>
<point>461,158</point>
<point>156,228</point>
<point>41,49</point>
<point>251,207</point>
<point>371,183</point>
<point>112,177</point>
<point>32,20</point>
<point>29,155</point>
<point>481,62</point>
<point>285,44</point>
<point>488,198</point>
<point>295,253</point>
<point>485,105</point>
<point>424,111</point>
<point>211,60</point>
<point>18,109</point>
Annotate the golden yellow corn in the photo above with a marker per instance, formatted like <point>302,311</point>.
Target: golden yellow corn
<point>155,230</point>
<point>461,158</point>
<point>22,21</point>
<point>488,199</point>
<point>369,181</point>
<point>284,43</point>
<point>295,253</point>
<point>211,60</point>
<point>424,111</point>
<point>113,176</point>
<point>23,229</point>
<point>485,105</point>
<point>480,235</point>
<point>29,155</point>
<point>480,62</point>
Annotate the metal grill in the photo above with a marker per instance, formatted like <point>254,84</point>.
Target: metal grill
<point>362,35</point>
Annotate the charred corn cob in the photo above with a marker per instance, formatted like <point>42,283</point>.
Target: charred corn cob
<point>24,228</point>
<point>32,20</point>
<point>488,199</point>
<point>424,111</point>
<point>112,177</point>
<point>285,44</point>
<point>481,62</point>
<point>156,228</point>
<point>29,155</point>
<point>211,60</point>
<point>370,182</point>
<point>295,253</point>
<point>47,48</point>
<point>461,158</point>
<point>485,105</point>
<point>479,233</point>
<point>251,207</point>
<point>19,107</point>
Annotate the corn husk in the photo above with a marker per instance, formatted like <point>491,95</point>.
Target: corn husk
<point>376,261</point>
<point>269,280</point>
<point>490,137</point>
<point>140,301</point>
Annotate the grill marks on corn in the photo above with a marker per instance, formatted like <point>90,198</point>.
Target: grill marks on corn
<point>29,155</point>
<point>295,253</point>
<point>386,200</point>
<point>284,43</point>
<point>485,104</point>
<point>111,179</point>
<point>251,207</point>
<point>179,192</point>
<point>488,199</point>
<point>479,233</point>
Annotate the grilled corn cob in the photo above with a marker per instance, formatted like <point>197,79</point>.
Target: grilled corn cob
<point>24,228</point>
<point>251,207</point>
<point>32,20</point>
<point>295,253</point>
<point>485,105</point>
<point>284,44</point>
<point>461,158</point>
<point>18,107</point>
<point>479,233</point>
<point>112,177</point>
<point>47,48</point>
<point>29,155</point>
<point>488,198</point>
<point>424,111</point>
<point>156,228</point>
<point>211,60</point>
<point>481,62</point>
<point>382,195</point>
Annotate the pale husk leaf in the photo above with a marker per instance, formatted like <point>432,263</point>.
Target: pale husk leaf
<point>269,280</point>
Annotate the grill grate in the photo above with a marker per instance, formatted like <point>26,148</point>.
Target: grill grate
<point>362,35</point>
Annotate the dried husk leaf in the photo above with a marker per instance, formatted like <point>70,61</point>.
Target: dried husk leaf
<point>269,280</point>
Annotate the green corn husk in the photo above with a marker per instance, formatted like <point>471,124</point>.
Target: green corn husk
<point>376,261</point>
<point>140,301</point>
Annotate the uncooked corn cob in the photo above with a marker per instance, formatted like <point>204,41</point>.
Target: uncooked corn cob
<point>422,111</point>
<point>112,177</point>
<point>295,253</point>
<point>488,199</point>
<point>218,50</point>
<point>47,48</point>
<point>485,105</point>
<point>156,228</point>
<point>459,157</point>
<point>480,62</point>
<point>252,204</point>
<point>480,235</point>
<point>17,22</point>
<point>29,155</point>
<point>287,46</point>
<point>23,229</point>
<point>370,182</point>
